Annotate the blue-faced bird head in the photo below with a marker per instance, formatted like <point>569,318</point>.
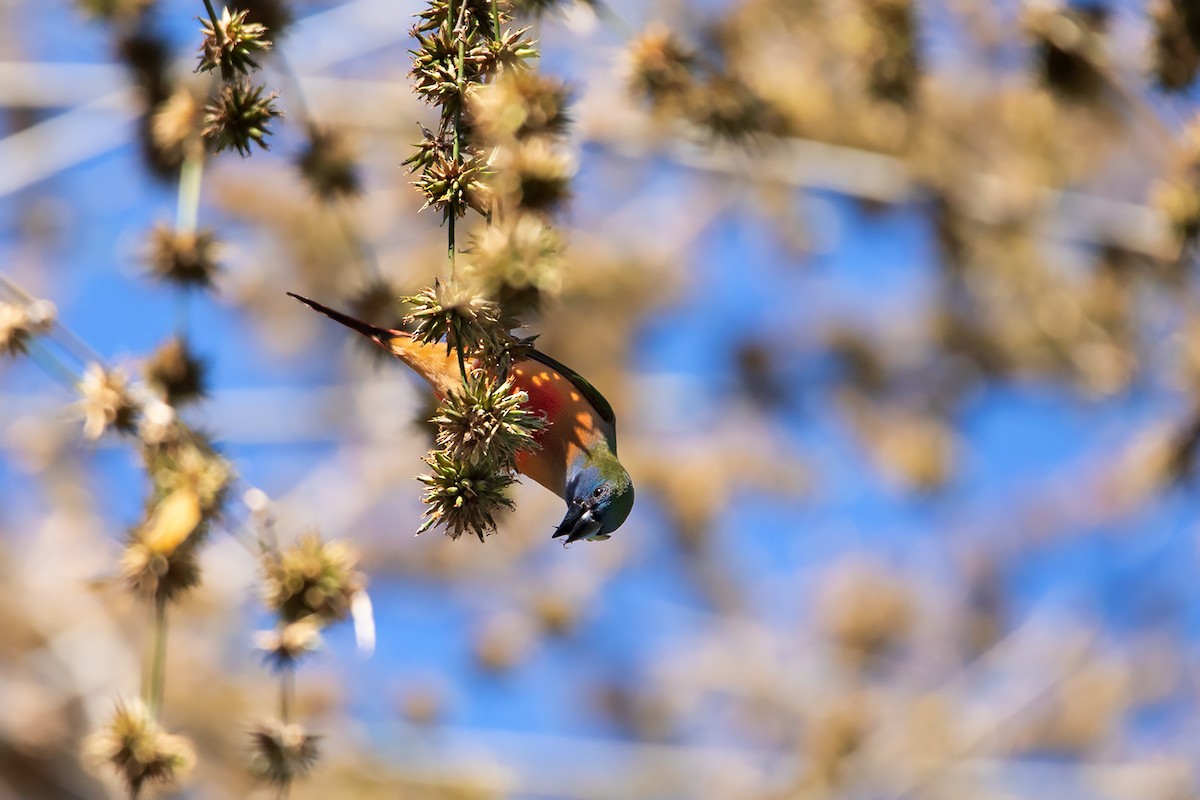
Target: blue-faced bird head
<point>599,498</point>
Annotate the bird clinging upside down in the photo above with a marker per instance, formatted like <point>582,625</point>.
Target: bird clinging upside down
<point>577,456</point>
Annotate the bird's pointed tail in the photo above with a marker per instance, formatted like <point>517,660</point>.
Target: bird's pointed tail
<point>381,335</point>
<point>432,362</point>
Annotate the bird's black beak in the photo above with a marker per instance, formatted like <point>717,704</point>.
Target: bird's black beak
<point>579,523</point>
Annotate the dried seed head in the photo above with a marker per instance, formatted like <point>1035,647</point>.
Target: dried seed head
<point>463,498</point>
<point>329,164</point>
<point>312,578</point>
<point>454,186</point>
<point>486,422</point>
<point>285,645</point>
<point>187,259</point>
<point>231,44</point>
<point>519,104</point>
<point>516,264</point>
<point>135,746</point>
<point>534,175</point>
<point>176,373</point>
<point>238,117</point>
<point>458,317</point>
<point>19,323</point>
<point>282,752</point>
<point>106,401</point>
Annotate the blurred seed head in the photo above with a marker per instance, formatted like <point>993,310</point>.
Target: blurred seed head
<point>151,570</point>
<point>113,10</point>
<point>190,462</point>
<point>231,44</point>
<point>330,164</point>
<point>520,104</point>
<point>312,578</point>
<point>239,116</point>
<point>175,373</point>
<point>1071,45</point>
<point>866,612</point>
<point>516,264</point>
<point>181,257</point>
<point>282,752</point>
<point>134,745</point>
<point>534,175</point>
<point>284,646</point>
<point>176,123</point>
<point>20,322</point>
<point>660,66</point>
<point>1175,59</point>
<point>106,401</point>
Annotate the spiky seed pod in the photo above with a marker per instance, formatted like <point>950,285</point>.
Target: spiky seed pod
<point>516,264</point>
<point>463,498</point>
<point>660,66</point>
<point>312,578</point>
<point>134,745</point>
<point>477,14</point>
<point>519,104</point>
<point>462,319</point>
<point>238,117</point>
<point>175,373</point>
<point>231,44</point>
<point>534,175</point>
<point>329,164</point>
<point>435,68</point>
<point>486,422</point>
<point>289,642</point>
<point>452,186</point>
<point>271,14</point>
<point>20,323</point>
<point>184,258</point>
<point>282,752</point>
<point>106,401</point>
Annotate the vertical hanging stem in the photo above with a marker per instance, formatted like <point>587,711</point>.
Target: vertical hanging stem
<point>158,657</point>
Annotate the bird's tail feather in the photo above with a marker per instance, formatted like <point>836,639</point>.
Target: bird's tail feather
<point>432,362</point>
<point>381,335</point>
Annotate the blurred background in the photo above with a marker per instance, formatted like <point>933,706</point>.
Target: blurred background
<point>893,301</point>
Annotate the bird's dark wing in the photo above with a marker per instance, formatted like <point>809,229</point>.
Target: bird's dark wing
<point>579,382</point>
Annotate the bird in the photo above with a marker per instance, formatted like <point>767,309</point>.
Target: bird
<point>577,454</point>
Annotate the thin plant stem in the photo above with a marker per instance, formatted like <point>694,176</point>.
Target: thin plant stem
<point>154,687</point>
<point>287,693</point>
<point>213,16</point>
<point>191,174</point>
<point>72,343</point>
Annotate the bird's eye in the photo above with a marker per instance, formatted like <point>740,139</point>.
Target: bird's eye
<point>598,493</point>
